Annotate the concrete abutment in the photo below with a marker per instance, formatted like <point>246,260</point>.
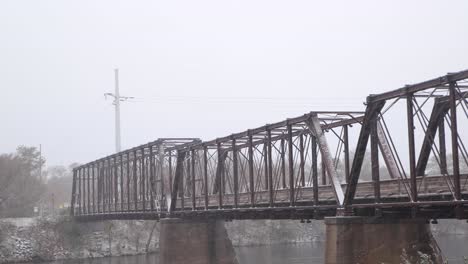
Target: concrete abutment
<point>369,241</point>
<point>195,242</point>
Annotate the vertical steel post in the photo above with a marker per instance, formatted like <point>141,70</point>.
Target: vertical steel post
<point>346,151</point>
<point>128,181</point>
<point>161,159</point>
<point>412,155</point>
<point>270,168</point>
<point>151,178</point>
<point>302,159</point>
<point>170,171</point>
<point>182,181</point>
<point>235,172</point>
<point>143,178</point>
<point>83,181</point>
<point>205,175</point>
<point>454,134</point>
<point>291,165</point>
<point>99,186</point>
<point>79,191</point>
<point>192,164</point>
<point>220,172</point>
<point>251,171</point>
<point>93,186</point>
<point>107,192</point>
<point>88,176</point>
<point>121,183</point>
<point>265,164</point>
<point>109,185</point>
<point>375,160</point>
<point>116,184</point>
<point>83,175</point>
<point>314,170</point>
<point>106,184</point>
<point>135,181</point>
<point>283,163</point>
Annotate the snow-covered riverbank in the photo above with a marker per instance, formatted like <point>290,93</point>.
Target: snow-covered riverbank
<point>27,239</point>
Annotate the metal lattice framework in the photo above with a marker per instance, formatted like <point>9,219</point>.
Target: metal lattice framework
<point>302,167</point>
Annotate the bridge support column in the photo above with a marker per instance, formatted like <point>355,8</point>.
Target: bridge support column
<point>369,241</point>
<point>195,242</point>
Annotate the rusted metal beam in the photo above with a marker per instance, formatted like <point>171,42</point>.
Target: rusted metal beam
<point>172,200</point>
<point>375,159</point>
<point>235,170</point>
<point>291,166</point>
<point>151,181</point>
<point>270,170</point>
<point>135,181</point>
<point>454,134</point>
<point>411,89</point>
<point>88,176</point>
<point>302,160</point>
<point>439,111</point>
<point>386,151</point>
<point>128,180</point>
<point>251,172</point>
<point>93,188</point>
<point>314,126</point>
<point>442,148</point>
<point>283,163</point>
<point>411,147</point>
<point>346,151</point>
<point>193,178</point>
<point>372,110</point>
<point>205,176</point>
<point>314,170</point>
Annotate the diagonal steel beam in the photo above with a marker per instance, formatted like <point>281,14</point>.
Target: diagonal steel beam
<point>440,109</point>
<point>172,197</point>
<point>372,112</point>
<point>219,170</point>
<point>387,155</point>
<point>314,126</point>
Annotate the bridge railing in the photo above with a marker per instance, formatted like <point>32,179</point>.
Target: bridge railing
<point>267,166</point>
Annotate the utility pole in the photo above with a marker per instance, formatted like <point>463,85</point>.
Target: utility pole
<point>116,102</point>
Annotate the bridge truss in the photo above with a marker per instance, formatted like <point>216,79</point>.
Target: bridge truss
<point>404,156</point>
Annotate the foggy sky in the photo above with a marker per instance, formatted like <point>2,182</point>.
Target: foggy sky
<point>206,68</point>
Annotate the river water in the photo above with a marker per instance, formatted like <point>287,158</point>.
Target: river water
<point>453,248</point>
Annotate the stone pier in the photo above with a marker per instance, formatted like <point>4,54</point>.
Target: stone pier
<point>370,241</point>
<point>195,242</point>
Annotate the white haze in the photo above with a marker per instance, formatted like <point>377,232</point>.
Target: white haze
<point>206,68</point>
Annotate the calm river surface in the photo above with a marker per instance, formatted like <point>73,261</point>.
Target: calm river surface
<point>305,253</point>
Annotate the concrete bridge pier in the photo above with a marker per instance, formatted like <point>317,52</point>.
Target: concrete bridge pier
<point>369,241</point>
<point>195,242</point>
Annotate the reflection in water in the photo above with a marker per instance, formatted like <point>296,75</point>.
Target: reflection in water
<point>140,259</point>
<point>453,247</point>
<point>280,254</point>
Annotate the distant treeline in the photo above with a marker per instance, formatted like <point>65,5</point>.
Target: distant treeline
<point>25,184</point>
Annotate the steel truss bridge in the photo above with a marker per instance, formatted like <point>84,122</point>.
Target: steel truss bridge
<point>404,156</point>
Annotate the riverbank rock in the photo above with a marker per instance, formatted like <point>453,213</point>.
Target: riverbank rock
<point>62,238</point>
